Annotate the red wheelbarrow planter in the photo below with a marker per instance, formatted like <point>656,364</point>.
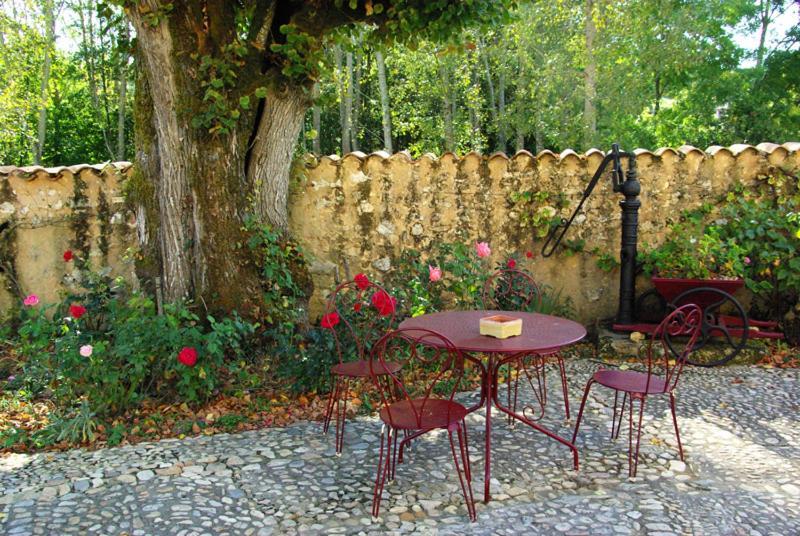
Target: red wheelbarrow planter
<point>724,323</point>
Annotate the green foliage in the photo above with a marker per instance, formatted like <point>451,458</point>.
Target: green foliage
<point>281,262</point>
<point>121,351</point>
<point>218,76</point>
<point>539,209</point>
<point>696,251</point>
<point>83,97</point>
<point>750,233</point>
<point>768,231</point>
<point>605,261</point>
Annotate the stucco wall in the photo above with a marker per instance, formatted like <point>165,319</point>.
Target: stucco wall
<point>358,212</point>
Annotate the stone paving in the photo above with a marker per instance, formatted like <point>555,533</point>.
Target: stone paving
<point>742,476</point>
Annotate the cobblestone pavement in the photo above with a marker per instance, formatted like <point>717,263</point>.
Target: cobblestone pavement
<point>742,476</point>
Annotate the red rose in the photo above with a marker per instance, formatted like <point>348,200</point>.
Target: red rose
<point>357,306</point>
<point>330,320</point>
<point>529,254</point>
<point>77,311</point>
<point>362,281</point>
<point>512,264</point>
<point>384,303</point>
<point>187,356</point>
<point>68,255</point>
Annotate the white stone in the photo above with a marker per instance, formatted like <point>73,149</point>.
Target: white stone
<point>383,264</point>
<point>385,228</point>
<point>677,466</point>
<point>359,177</point>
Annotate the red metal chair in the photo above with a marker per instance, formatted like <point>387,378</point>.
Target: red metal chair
<point>510,289</point>
<point>419,402</point>
<point>682,324</point>
<point>358,313</point>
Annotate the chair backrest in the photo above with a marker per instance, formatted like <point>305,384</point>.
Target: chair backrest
<point>672,342</point>
<point>509,289</point>
<point>358,313</point>
<point>430,368</point>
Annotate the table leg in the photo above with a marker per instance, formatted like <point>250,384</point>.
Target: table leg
<point>532,424</point>
<point>490,388</point>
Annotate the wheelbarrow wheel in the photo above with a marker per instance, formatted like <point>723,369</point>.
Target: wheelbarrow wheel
<point>724,331</point>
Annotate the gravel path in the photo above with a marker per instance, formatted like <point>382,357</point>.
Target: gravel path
<point>742,476</point>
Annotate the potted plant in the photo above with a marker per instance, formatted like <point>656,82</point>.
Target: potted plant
<point>693,256</point>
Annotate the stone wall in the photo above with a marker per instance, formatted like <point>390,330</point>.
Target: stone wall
<point>46,211</point>
<point>358,212</point>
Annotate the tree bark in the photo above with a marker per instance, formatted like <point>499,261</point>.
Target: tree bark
<point>50,43</point>
<point>490,83</point>
<point>520,101</point>
<point>590,78</point>
<point>122,94</point>
<point>502,137</point>
<point>386,115</point>
<point>340,89</point>
<point>765,10</point>
<point>271,157</point>
<point>357,100</point>
<point>348,102</point>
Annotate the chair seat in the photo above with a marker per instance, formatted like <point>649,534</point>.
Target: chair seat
<point>629,381</point>
<point>360,369</point>
<point>424,414</point>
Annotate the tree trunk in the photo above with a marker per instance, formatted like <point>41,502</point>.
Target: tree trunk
<point>348,102</point>
<point>502,138</point>
<point>657,104</point>
<point>386,115</point>
<point>204,184</point>
<point>590,88</point>
<point>49,48</point>
<point>122,94</point>
<point>356,130</point>
<point>271,158</point>
<point>474,111</point>
<point>492,97</point>
<point>449,135</point>
<point>765,10</point>
<point>316,119</point>
<point>520,101</point>
<point>340,89</point>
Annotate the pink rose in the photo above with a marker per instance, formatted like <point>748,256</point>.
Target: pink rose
<point>482,249</point>
<point>434,273</point>
<point>86,350</point>
<point>747,260</point>
<point>31,300</point>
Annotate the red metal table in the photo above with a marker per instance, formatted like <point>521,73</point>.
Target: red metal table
<point>540,334</point>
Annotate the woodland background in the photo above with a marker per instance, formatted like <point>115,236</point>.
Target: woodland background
<point>552,76</point>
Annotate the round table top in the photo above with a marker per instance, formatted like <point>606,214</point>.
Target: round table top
<point>540,333</point>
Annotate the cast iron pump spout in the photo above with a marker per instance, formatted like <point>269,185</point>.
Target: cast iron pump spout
<point>627,184</point>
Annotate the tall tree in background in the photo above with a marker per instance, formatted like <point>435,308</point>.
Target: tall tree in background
<point>49,49</point>
<point>386,114</point>
<point>590,74</point>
